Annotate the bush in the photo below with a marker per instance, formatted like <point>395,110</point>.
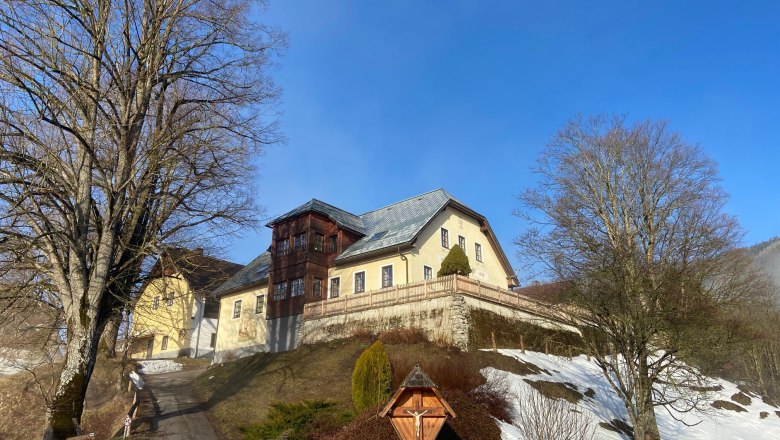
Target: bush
<point>371,379</point>
<point>403,336</point>
<point>456,262</point>
<point>299,421</point>
<point>541,418</point>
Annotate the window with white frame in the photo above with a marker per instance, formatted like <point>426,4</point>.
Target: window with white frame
<point>445,238</point>
<point>462,242</point>
<point>427,272</point>
<point>478,251</point>
<point>280,291</point>
<point>360,282</point>
<point>296,287</point>
<point>335,287</point>
<point>236,309</point>
<point>259,303</point>
<point>387,276</point>
<point>213,342</point>
<point>155,303</point>
<point>169,301</point>
<point>164,344</point>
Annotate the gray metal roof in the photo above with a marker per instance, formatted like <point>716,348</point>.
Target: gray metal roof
<point>253,273</point>
<point>343,218</point>
<point>397,224</point>
<point>417,379</point>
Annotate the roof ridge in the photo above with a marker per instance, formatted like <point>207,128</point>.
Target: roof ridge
<point>333,206</point>
<point>407,199</point>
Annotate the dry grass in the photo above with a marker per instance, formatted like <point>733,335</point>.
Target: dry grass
<point>22,402</point>
<point>239,394</point>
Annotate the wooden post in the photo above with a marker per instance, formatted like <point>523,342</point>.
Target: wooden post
<point>129,385</point>
<point>546,346</point>
<point>493,338</point>
<point>522,344</point>
<point>455,283</point>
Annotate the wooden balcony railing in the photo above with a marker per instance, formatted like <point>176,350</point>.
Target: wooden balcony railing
<point>430,289</point>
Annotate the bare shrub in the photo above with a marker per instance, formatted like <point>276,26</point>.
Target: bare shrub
<point>403,336</point>
<point>363,334</point>
<point>553,419</point>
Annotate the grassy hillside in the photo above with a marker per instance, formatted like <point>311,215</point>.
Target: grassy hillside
<point>239,394</point>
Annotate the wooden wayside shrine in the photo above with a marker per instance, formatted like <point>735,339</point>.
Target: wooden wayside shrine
<point>417,410</point>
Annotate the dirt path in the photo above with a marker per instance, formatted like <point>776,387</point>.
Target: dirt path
<point>168,409</point>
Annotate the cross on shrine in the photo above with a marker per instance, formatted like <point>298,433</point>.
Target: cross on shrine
<point>417,410</point>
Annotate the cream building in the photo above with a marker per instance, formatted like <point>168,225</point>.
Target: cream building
<point>320,252</point>
<point>175,314</point>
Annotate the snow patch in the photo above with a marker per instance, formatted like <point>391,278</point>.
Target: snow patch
<point>158,366</point>
<point>605,405</point>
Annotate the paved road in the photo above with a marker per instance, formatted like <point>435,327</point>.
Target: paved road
<point>168,409</point>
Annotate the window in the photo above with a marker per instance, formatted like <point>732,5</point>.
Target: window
<point>316,288</point>
<point>299,242</point>
<point>283,247</point>
<point>335,284</point>
<point>164,345</point>
<point>387,276</point>
<point>360,282</point>
<point>259,300</point>
<point>182,334</point>
<point>478,251</point>
<point>280,290</point>
<point>333,243</point>
<point>170,299</point>
<point>445,238</point>
<point>156,303</point>
<point>427,273</point>
<point>296,287</point>
<point>462,242</point>
<point>236,309</point>
<point>319,242</point>
<point>213,342</point>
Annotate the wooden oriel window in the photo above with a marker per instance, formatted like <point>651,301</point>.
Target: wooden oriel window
<point>283,247</point>
<point>333,243</point>
<point>299,242</point>
<point>280,291</point>
<point>318,243</point>
<point>296,287</point>
<point>316,288</point>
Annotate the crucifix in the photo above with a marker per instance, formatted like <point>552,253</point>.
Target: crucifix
<point>417,422</point>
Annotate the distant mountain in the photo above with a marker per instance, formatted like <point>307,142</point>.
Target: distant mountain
<point>767,256</point>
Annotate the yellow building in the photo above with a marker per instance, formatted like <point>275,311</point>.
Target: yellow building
<point>319,251</point>
<point>175,314</point>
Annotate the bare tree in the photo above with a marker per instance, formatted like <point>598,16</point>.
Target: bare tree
<point>124,126</point>
<point>632,217</point>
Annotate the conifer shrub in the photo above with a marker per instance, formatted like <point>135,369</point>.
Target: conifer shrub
<point>456,262</point>
<point>299,421</point>
<point>372,378</point>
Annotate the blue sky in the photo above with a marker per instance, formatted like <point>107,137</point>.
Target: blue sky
<point>386,100</point>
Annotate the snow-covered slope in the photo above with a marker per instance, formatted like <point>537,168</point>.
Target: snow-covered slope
<point>759,420</point>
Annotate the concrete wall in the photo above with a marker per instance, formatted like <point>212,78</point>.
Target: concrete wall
<point>283,333</point>
<point>433,316</point>
<point>200,342</point>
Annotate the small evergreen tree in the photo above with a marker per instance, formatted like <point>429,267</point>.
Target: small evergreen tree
<point>371,379</point>
<point>456,262</point>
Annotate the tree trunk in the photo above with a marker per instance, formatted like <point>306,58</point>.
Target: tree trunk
<point>67,404</point>
<point>111,334</point>
<point>646,427</point>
